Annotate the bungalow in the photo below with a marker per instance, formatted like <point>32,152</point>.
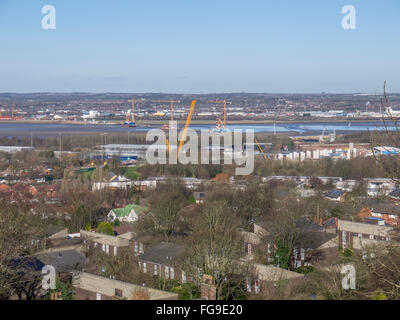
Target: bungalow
<point>89,286</point>
<point>128,214</point>
<point>161,260</point>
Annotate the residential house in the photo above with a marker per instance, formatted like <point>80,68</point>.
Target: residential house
<point>270,278</point>
<point>386,211</point>
<point>380,187</point>
<point>335,195</point>
<point>250,240</point>
<point>129,213</point>
<point>395,195</point>
<point>358,235</point>
<point>161,260</point>
<point>111,244</point>
<point>313,248</point>
<point>65,262</point>
<point>89,286</point>
<point>313,245</point>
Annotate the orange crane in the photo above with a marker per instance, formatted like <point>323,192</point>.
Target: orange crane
<point>188,119</point>
<point>187,123</point>
<point>172,101</point>
<point>259,147</point>
<point>225,103</point>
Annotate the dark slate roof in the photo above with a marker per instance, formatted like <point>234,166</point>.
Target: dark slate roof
<point>331,222</point>
<point>63,261</point>
<point>26,264</point>
<point>334,194</point>
<point>308,225</point>
<point>395,193</point>
<point>50,230</point>
<point>312,240</point>
<point>388,208</point>
<point>162,253</point>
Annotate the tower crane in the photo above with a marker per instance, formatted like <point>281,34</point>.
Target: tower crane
<point>187,123</point>
<point>172,101</point>
<point>225,103</point>
<point>259,147</point>
<point>130,121</point>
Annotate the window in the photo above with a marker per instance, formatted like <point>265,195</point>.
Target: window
<point>107,248</point>
<point>136,247</point>
<point>360,235</point>
<point>248,285</point>
<point>183,276</point>
<point>257,286</point>
<point>118,293</point>
<point>268,248</point>
<point>140,265</point>
<point>155,269</point>
<point>166,272</point>
<point>344,239</point>
<point>303,253</point>
<point>141,248</point>
<point>144,267</point>
<point>249,248</point>
<point>295,253</point>
<point>172,273</point>
<point>115,251</point>
<point>95,244</point>
<point>103,247</point>
<point>98,296</point>
<point>371,236</point>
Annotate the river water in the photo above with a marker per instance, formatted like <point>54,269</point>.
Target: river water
<point>312,128</point>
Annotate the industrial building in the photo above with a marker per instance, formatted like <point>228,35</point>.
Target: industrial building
<point>12,149</point>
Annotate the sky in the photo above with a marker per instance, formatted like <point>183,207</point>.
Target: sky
<point>200,46</point>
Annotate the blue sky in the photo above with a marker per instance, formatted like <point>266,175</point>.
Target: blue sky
<point>199,46</point>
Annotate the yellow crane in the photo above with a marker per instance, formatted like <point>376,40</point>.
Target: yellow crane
<point>187,123</point>
<point>225,103</point>
<point>259,147</point>
<point>172,101</point>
